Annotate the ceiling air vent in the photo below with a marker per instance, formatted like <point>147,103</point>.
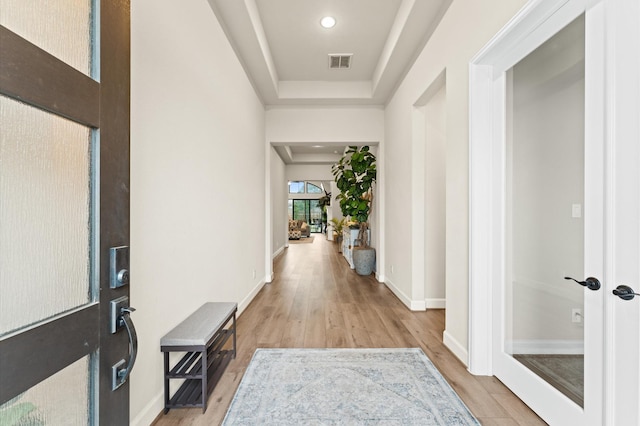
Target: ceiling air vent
<point>340,60</point>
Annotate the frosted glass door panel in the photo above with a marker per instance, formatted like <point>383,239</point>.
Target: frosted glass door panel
<point>62,399</point>
<point>545,179</point>
<point>45,214</point>
<point>60,27</point>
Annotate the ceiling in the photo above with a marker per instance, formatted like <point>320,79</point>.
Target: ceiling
<point>285,51</point>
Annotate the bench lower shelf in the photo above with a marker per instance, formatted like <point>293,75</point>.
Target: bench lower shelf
<point>189,394</point>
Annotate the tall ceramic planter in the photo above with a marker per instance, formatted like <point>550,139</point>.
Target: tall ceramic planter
<point>364,260</point>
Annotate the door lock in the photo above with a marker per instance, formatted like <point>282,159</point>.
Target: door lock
<point>119,266</point>
<point>122,278</point>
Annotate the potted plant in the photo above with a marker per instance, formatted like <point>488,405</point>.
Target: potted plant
<point>338,225</point>
<point>355,176</point>
<point>325,200</point>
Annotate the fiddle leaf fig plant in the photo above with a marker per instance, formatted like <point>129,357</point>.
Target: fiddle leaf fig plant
<point>355,176</point>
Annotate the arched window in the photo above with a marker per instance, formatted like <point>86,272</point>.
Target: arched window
<point>313,189</point>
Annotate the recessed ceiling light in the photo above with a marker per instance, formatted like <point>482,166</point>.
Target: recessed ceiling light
<point>316,146</point>
<point>328,22</point>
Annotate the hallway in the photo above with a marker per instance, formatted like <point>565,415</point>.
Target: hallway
<point>315,301</point>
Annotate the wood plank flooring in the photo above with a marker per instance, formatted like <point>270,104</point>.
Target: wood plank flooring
<point>316,301</point>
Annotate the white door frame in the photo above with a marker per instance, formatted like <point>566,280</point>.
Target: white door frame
<point>618,45</point>
<point>622,318</point>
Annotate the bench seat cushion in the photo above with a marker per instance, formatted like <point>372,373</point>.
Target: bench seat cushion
<point>200,326</point>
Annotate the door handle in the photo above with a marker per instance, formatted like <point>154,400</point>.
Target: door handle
<point>625,292</point>
<point>591,283</point>
<point>121,317</point>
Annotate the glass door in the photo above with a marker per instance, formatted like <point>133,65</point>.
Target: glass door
<point>550,345</point>
<point>64,172</point>
<point>545,209</point>
<point>308,211</point>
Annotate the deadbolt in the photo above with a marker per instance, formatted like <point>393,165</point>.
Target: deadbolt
<point>123,277</point>
<point>119,266</point>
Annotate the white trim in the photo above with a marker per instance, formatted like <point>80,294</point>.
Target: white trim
<point>380,277</point>
<point>548,347</point>
<point>278,252</point>
<point>480,214</point>
<point>456,348</point>
<point>418,305</point>
<point>414,305</point>
<point>622,241</point>
<point>380,211</point>
<point>435,303</point>
<point>418,124</point>
<point>268,220</point>
<point>150,411</point>
<point>245,302</point>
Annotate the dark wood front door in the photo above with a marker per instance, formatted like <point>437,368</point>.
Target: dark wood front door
<point>64,202</point>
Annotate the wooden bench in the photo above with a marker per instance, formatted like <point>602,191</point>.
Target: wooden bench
<point>202,336</point>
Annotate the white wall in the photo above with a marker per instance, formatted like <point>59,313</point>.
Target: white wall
<point>279,194</point>
<point>309,172</point>
<point>435,199</point>
<point>325,124</point>
<point>197,129</point>
<point>465,29</point>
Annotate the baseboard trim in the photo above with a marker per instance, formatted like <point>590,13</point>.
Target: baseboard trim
<point>418,305</point>
<point>150,412</point>
<point>454,346</point>
<point>548,347</point>
<point>414,305</point>
<point>247,300</point>
<point>278,252</point>
<point>436,303</point>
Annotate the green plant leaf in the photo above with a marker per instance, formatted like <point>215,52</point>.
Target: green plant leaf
<point>355,174</point>
<point>14,414</point>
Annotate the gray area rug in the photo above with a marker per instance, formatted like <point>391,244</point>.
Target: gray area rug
<point>345,387</point>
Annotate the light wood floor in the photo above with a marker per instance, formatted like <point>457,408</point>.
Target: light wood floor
<point>316,301</point>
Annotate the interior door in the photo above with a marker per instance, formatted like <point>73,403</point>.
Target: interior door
<point>64,203</point>
<point>550,347</point>
<point>531,224</point>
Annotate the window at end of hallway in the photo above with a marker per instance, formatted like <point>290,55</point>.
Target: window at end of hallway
<point>296,187</point>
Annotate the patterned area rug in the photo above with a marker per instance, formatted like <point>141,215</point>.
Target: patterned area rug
<point>345,387</point>
<point>303,240</point>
